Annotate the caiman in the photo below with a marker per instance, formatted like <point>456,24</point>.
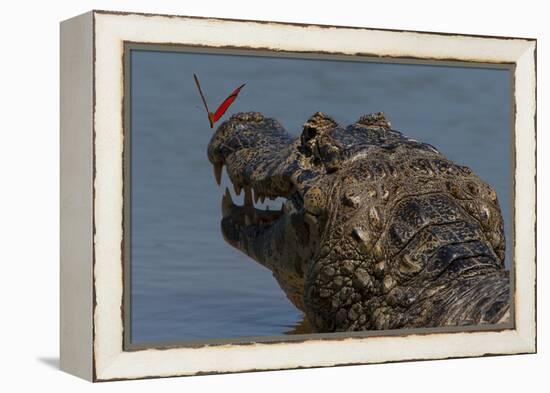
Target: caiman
<point>377,230</point>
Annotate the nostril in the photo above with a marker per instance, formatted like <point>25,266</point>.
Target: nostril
<point>255,117</point>
<point>375,119</point>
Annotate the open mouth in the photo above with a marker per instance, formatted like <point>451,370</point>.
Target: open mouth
<point>258,213</point>
<point>248,214</point>
<point>260,159</point>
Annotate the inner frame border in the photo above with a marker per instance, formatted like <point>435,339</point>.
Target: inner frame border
<point>130,46</point>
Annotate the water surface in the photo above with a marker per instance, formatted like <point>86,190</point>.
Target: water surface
<point>187,283</point>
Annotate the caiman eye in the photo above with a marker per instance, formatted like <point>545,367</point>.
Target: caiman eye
<point>317,142</point>
<point>316,126</point>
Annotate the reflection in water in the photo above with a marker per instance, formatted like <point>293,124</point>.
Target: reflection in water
<point>187,283</point>
<point>302,327</point>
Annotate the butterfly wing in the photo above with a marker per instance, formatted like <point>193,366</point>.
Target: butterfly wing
<point>226,104</point>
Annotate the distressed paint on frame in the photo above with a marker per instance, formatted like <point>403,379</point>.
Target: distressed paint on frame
<point>112,363</point>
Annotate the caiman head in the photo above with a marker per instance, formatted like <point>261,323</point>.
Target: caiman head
<point>377,231</point>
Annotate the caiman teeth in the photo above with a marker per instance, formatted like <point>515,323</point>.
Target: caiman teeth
<point>227,203</point>
<point>218,167</point>
<point>258,196</point>
<point>248,196</point>
<point>247,216</point>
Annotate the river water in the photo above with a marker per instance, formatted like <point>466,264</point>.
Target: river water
<point>187,283</point>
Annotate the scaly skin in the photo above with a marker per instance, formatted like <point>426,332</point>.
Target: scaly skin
<point>378,231</point>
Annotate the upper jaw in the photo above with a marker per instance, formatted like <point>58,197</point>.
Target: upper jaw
<point>261,162</point>
<point>258,155</point>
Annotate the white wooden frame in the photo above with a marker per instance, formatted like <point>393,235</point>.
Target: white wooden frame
<point>92,47</point>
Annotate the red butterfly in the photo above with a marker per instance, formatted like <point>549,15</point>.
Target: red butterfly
<point>215,116</point>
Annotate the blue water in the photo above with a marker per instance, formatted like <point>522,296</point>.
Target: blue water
<point>187,283</point>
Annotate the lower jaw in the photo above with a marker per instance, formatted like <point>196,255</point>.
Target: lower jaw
<point>265,245</point>
<point>243,236</point>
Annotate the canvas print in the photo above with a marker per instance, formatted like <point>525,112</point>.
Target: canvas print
<point>275,196</point>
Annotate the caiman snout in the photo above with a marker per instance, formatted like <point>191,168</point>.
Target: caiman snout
<point>263,160</point>
<point>252,148</point>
